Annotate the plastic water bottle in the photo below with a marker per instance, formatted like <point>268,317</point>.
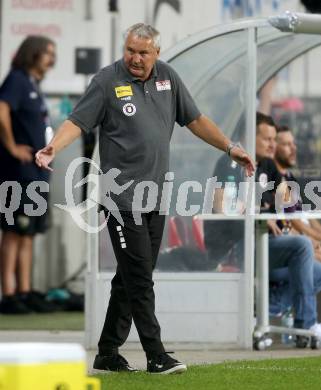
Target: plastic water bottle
<point>287,321</point>
<point>230,196</point>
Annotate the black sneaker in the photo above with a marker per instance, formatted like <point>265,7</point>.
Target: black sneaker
<point>302,341</point>
<point>165,364</point>
<point>114,362</point>
<point>36,302</point>
<point>11,304</point>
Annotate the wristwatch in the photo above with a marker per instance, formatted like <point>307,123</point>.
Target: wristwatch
<point>229,148</point>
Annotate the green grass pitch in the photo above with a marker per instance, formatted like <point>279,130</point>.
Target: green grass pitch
<point>282,374</point>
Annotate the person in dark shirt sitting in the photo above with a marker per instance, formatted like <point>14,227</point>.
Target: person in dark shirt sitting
<point>232,234</point>
<point>285,159</point>
<point>285,251</point>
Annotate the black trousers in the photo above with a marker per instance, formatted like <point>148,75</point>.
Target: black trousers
<point>136,249</point>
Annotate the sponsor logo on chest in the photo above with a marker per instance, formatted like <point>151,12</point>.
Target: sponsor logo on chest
<point>122,91</point>
<point>163,85</point>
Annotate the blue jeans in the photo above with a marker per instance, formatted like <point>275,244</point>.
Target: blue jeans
<point>304,274</point>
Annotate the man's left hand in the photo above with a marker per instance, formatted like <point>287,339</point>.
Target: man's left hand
<point>241,157</point>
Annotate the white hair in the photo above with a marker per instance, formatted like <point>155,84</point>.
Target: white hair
<point>145,31</point>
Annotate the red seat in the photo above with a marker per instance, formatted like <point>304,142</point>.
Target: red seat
<point>177,232</point>
<point>198,233</point>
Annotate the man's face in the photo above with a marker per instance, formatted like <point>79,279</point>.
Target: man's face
<point>285,153</point>
<point>46,60</point>
<point>140,56</point>
<point>265,141</point>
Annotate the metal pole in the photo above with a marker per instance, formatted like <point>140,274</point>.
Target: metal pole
<point>1,35</point>
<point>148,14</point>
<point>299,23</point>
<point>248,288</point>
<point>113,38</point>
<point>262,275</point>
<point>114,31</point>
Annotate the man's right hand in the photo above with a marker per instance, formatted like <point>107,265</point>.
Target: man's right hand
<point>45,156</point>
<point>22,153</point>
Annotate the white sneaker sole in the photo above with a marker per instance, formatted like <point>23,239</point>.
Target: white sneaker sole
<point>102,371</point>
<point>179,369</point>
<point>97,371</point>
